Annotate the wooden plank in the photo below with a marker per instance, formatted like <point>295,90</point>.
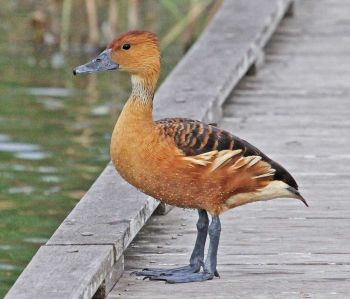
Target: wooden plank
<point>74,272</point>
<point>231,43</point>
<point>103,217</point>
<point>258,256</point>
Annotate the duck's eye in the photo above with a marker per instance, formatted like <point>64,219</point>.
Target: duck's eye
<point>126,46</point>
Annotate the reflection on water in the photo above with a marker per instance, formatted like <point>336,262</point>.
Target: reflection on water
<point>55,128</point>
<point>21,150</point>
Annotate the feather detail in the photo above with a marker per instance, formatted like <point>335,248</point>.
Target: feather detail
<point>274,189</point>
<point>223,158</point>
<point>239,163</point>
<point>253,161</point>
<point>264,175</point>
<point>203,159</point>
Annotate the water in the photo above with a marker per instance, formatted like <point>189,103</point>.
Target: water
<point>55,128</point>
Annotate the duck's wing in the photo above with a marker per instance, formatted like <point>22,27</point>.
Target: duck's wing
<point>197,139</point>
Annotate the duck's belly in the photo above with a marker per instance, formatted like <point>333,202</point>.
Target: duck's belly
<point>172,183</point>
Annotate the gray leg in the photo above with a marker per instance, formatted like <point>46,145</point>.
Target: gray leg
<point>214,234</point>
<point>210,263</point>
<point>197,256</point>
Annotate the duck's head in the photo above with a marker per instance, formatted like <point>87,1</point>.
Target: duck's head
<point>136,52</point>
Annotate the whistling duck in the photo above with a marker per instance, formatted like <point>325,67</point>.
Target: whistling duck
<point>183,162</point>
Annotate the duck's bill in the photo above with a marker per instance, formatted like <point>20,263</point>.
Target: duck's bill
<point>102,62</point>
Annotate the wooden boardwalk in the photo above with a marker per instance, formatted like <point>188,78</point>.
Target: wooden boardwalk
<point>296,109</point>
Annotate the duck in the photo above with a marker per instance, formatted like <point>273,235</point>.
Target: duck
<point>183,162</point>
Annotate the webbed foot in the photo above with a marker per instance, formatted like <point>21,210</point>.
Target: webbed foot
<point>181,277</point>
<point>155,272</point>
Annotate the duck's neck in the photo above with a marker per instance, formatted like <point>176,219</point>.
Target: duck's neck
<point>143,90</point>
<point>139,106</point>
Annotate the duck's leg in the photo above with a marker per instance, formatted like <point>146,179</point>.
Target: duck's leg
<point>197,256</point>
<point>210,263</point>
<point>214,234</point>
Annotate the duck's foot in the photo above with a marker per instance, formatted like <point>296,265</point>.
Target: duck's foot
<point>181,277</point>
<point>184,274</point>
<point>156,272</point>
<point>191,273</point>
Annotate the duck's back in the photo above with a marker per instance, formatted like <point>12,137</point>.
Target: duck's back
<point>194,137</point>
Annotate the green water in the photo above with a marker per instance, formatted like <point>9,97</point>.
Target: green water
<point>54,128</point>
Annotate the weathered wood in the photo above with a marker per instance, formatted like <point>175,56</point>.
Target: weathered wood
<point>219,59</point>
<point>73,272</point>
<point>104,216</point>
<point>259,256</point>
<point>112,275</point>
<point>296,110</point>
<point>163,209</point>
